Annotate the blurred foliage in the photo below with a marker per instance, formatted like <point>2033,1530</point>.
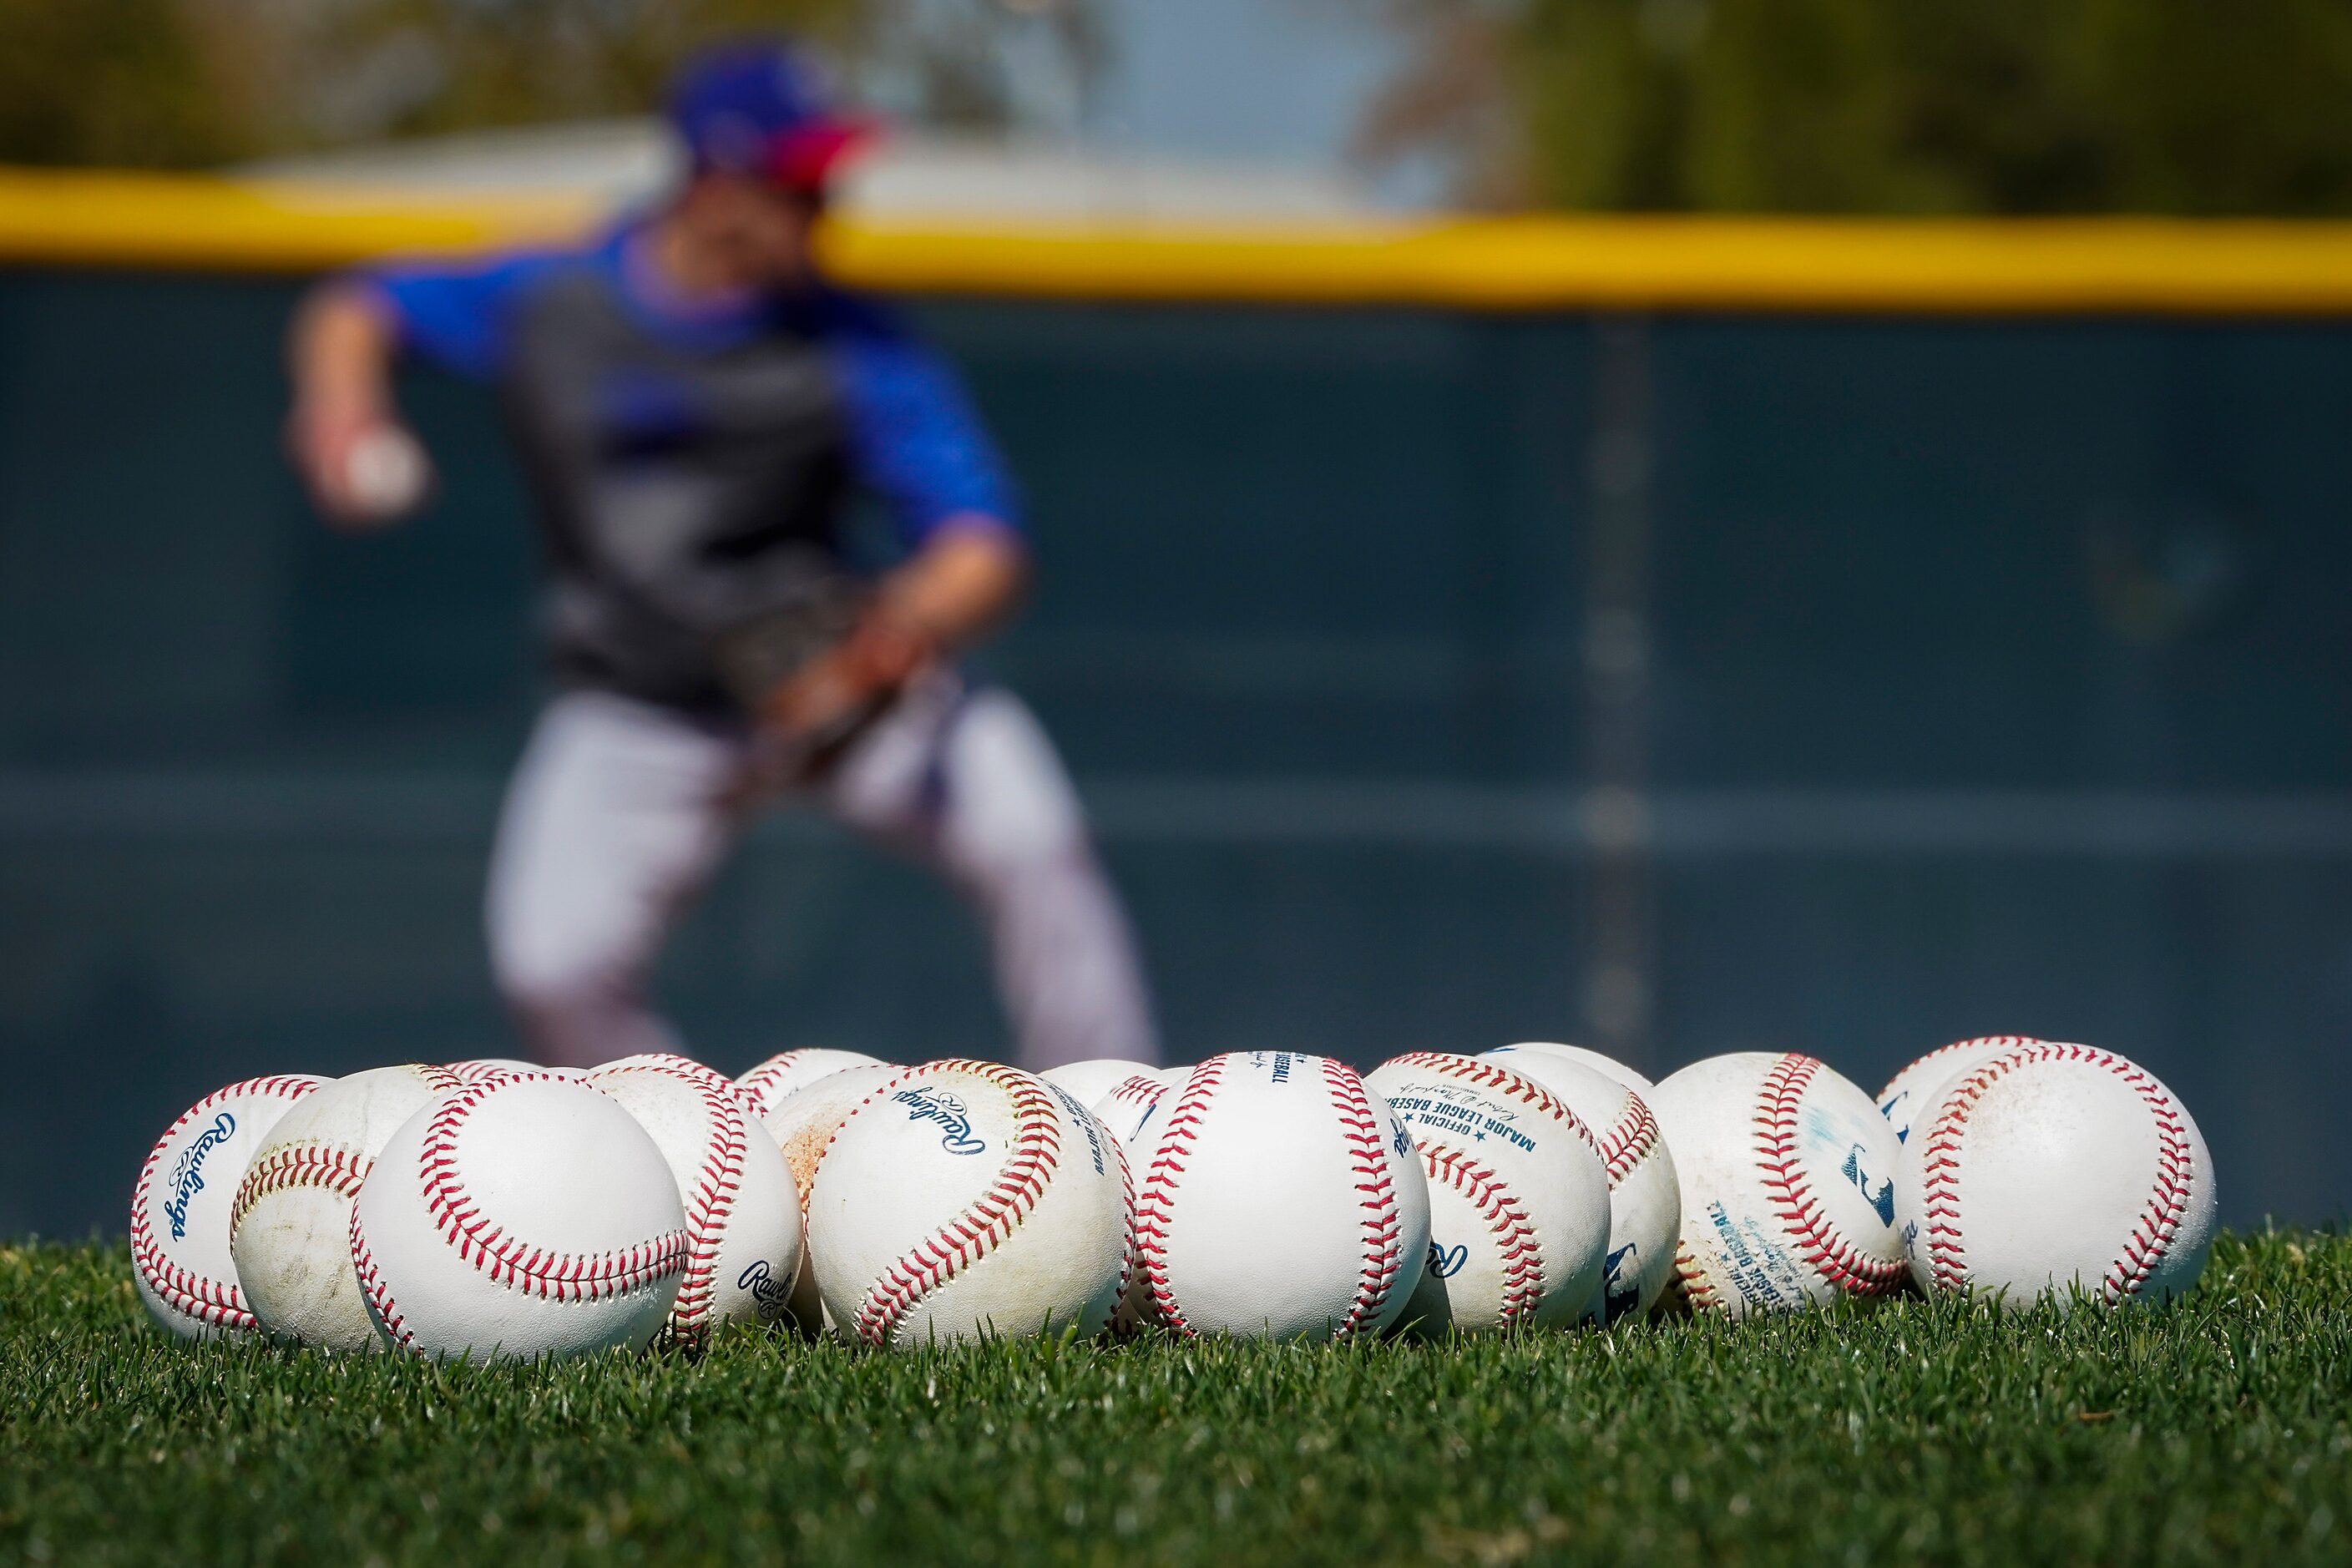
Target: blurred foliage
<point>1894,106</point>
<point>110,81</point>
<point>175,83</point>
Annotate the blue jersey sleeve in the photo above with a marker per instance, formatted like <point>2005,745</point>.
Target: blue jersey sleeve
<point>914,434</point>
<point>455,314</point>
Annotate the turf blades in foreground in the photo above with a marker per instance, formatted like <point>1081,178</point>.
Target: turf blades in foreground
<point>2215,1432</point>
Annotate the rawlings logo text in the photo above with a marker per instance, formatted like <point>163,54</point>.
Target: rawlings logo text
<point>187,1178</point>
<point>769,1294</point>
<point>937,1105</point>
<point>1446,1262</point>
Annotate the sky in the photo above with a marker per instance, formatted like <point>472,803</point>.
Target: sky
<point>1260,80</point>
<point>1267,81</point>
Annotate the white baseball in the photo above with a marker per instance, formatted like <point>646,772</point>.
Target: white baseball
<point>1519,1198</point>
<point>1279,1198</point>
<point>1607,1066</point>
<point>1133,1110</point>
<point>1788,1184</point>
<point>2051,1167</point>
<point>964,1200</point>
<point>1906,1094</point>
<point>1128,1106</point>
<point>482,1069</point>
<point>290,1225</point>
<point>802,1123</point>
<point>1088,1081</point>
<point>387,473</point>
<point>180,1206</point>
<point>1645,1200</point>
<point>786,1073</point>
<point>526,1216</point>
<point>742,1212</point>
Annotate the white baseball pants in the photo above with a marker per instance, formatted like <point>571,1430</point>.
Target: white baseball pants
<point>620,812</point>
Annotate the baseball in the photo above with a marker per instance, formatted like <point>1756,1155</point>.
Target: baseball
<point>1088,1081</point>
<point>1906,1094</point>
<point>387,473</point>
<point>526,1216</point>
<point>1607,1066</point>
<point>482,1069</point>
<point>1519,1198</point>
<point>1788,1184</point>
<point>1130,1106</point>
<point>1279,1199</point>
<point>2051,1167</point>
<point>964,1200</point>
<point>1645,1201</point>
<point>779,1078</point>
<point>802,1124</point>
<point>743,1213</point>
<point>290,1224</point>
<point>180,1206</point>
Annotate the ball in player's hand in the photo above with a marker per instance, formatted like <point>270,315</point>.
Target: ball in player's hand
<point>385,473</point>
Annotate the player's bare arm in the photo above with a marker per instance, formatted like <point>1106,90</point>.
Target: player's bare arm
<point>362,468</point>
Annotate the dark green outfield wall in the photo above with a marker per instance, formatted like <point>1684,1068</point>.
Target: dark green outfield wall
<point>1936,679</point>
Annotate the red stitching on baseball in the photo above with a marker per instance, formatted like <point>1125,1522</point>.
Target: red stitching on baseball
<point>208,1302</point>
<point>1633,1139</point>
<point>2152,1234</point>
<point>1849,1267</point>
<point>507,1260</point>
<point>1127,1258</point>
<point>1506,1220</point>
<point>336,1168</point>
<point>1492,1075</point>
<point>1029,1164</point>
<point>1628,1142</point>
<point>762,1078</point>
<point>2006,1042</point>
<point>1154,1208</point>
<point>717,1185</point>
<point>1691,1276</point>
<point>1360,1129</point>
<point>1138,1090</point>
<point>373,1287</point>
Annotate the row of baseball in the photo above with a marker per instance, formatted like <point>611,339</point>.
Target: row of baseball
<point>494,1208</point>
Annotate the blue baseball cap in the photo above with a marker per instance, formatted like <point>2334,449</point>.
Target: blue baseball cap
<point>756,107</point>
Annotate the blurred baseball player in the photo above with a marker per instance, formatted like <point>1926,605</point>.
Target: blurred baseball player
<point>695,407</point>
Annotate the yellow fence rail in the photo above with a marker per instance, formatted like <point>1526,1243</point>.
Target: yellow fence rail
<point>1934,267</point>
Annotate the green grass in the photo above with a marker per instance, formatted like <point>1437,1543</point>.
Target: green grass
<point>2216,1431</point>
